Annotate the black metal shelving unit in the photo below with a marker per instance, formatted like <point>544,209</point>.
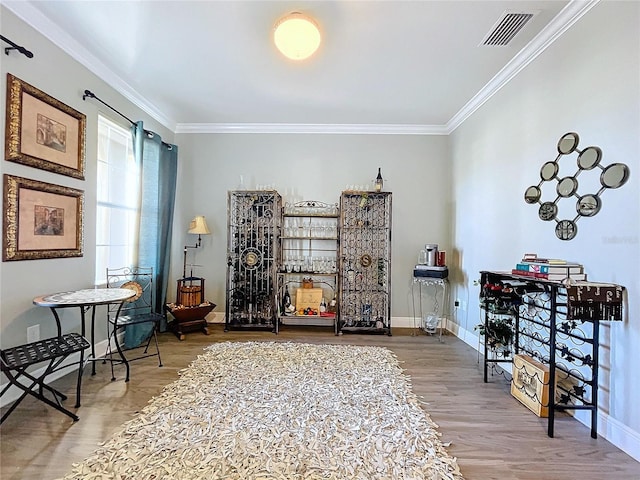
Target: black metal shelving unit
<point>558,326</point>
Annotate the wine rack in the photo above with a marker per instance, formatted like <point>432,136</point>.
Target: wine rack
<point>253,219</point>
<point>365,262</point>
<point>558,326</point>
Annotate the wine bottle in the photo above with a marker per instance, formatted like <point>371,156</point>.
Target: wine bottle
<point>379,181</point>
<point>333,305</point>
<point>323,305</point>
<point>286,299</point>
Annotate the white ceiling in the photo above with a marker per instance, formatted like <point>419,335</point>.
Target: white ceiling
<point>413,66</point>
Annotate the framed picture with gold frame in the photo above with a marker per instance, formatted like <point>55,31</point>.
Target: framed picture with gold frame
<point>42,220</point>
<point>43,132</point>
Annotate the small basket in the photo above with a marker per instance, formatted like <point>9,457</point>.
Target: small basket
<point>307,283</point>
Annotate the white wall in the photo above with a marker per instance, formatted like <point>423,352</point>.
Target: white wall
<point>55,73</point>
<point>314,167</point>
<point>588,81</point>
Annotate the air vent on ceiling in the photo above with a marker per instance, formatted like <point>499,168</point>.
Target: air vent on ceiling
<point>507,27</point>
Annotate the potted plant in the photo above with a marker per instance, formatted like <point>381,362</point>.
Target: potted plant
<point>498,333</point>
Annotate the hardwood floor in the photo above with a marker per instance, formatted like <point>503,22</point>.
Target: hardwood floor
<point>492,435</point>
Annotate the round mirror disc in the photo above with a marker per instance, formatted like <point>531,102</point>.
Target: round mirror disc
<point>567,186</point>
<point>568,143</point>
<point>549,171</point>
<point>532,194</point>
<point>589,158</point>
<point>588,205</point>
<point>615,175</point>
<point>566,230</point>
<point>548,211</point>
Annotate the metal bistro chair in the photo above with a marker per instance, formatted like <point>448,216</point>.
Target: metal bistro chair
<point>138,310</point>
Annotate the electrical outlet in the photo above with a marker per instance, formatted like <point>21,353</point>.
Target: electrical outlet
<point>456,303</point>
<point>33,333</point>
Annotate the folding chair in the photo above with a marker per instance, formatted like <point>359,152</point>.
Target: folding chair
<point>15,361</point>
<point>138,310</point>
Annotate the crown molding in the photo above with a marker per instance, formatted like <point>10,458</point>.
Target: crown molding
<point>574,10</point>
<point>569,15</point>
<point>34,17</point>
<point>313,128</point>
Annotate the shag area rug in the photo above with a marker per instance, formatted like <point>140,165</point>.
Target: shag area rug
<point>286,411</point>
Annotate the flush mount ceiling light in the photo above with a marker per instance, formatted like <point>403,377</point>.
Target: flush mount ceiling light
<point>297,36</point>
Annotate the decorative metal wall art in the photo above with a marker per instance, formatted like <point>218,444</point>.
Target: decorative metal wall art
<point>612,176</point>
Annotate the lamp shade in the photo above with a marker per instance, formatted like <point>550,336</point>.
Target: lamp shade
<point>297,36</point>
<point>199,226</point>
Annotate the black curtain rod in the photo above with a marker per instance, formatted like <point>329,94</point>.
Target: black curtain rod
<point>90,94</point>
<point>17,47</point>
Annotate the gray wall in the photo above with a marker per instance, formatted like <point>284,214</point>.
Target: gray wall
<point>55,73</point>
<point>588,81</point>
<point>314,167</point>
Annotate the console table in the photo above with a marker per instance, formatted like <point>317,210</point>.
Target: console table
<point>556,324</point>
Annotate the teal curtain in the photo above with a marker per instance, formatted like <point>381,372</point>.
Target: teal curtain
<point>158,163</point>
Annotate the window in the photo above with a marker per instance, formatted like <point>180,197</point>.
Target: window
<point>118,191</point>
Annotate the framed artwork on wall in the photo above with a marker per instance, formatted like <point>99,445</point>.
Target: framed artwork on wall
<point>42,220</point>
<point>43,132</point>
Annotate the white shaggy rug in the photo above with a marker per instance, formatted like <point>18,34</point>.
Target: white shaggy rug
<point>283,411</point>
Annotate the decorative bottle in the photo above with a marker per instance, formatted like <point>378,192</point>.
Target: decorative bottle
<point>333,305</point>
<point>379,181</point>
<point>323,305</point>
<point>286,299</point>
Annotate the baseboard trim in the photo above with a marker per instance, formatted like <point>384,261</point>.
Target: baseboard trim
<point>396,322</point>
<point>613,431</point>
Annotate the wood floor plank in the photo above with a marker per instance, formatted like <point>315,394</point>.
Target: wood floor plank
<point>492,434</point>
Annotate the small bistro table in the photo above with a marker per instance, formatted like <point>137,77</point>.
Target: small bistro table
<point>85,300</point>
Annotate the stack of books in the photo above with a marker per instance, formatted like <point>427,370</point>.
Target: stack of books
<point>549,268</point>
